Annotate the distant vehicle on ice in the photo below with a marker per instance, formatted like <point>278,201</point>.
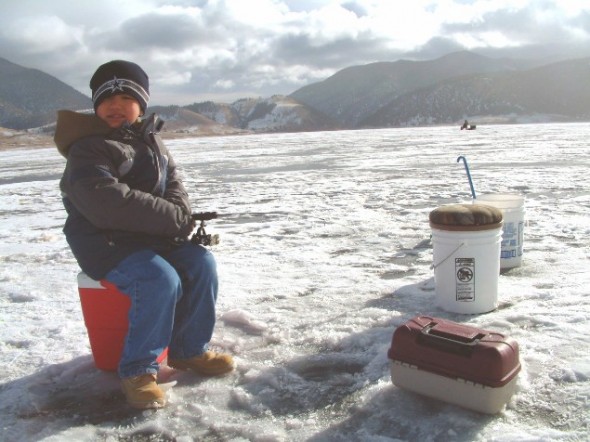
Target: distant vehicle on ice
<point>468,126</point>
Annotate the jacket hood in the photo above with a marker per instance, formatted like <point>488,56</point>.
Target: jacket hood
<point>72,126</point>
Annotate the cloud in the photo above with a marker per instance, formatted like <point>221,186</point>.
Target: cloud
<point>303,49</point>
<point>582,22</point>
<point>358,9</point>
<point>160,31</point>
<point>38,35</point>
<point>541,22</point>
<point>434,47</point>
<point>198,48</point>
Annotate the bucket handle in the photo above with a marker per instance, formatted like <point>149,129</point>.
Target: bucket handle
<point>434,266</point>
<point>468,175</point>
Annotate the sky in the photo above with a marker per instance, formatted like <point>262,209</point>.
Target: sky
<point>224,50</point>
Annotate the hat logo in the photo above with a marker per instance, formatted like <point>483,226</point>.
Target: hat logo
<point>114,85</point>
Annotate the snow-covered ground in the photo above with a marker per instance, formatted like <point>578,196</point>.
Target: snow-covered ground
<point>325,250</point>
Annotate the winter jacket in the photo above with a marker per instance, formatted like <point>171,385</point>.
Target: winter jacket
<point>121,191</point>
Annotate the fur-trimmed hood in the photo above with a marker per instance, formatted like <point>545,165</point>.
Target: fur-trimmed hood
<point>72,126</point>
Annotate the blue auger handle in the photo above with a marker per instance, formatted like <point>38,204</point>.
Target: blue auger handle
<point>468,174</point>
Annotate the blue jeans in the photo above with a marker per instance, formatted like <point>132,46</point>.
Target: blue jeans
<point>173,297</point>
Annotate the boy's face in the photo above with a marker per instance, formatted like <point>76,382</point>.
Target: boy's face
<point>119,109</point>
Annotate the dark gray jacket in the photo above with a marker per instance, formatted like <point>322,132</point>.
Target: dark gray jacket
<point>121,191</point>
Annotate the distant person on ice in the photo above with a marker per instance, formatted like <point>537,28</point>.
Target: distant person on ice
<point>129,220</point>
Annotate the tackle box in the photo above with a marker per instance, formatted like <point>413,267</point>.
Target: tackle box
<point>456,363</point>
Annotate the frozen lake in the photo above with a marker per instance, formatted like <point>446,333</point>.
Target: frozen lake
<point>325,249</point>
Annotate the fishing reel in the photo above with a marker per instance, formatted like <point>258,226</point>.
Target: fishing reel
<point>201,236</point>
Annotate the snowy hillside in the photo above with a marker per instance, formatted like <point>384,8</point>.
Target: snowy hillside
<point>30,98</point>
<point>443,91</point>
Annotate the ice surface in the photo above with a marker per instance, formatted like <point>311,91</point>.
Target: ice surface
<point>325,249</point>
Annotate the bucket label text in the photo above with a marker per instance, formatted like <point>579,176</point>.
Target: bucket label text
<point>465,279</point>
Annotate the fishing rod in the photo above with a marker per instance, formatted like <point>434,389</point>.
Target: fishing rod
<point>201,236</point>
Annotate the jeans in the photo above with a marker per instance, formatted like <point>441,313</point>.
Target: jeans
<point>173,297</point>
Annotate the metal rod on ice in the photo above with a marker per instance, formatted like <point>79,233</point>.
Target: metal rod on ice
<point>468,174</point>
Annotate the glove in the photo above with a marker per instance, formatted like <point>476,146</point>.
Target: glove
<point>188,227</point>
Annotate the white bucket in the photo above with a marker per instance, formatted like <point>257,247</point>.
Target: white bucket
<point>512,207</point>
<point>466,269</point>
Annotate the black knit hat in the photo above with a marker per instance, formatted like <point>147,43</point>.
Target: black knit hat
<point>120,77</point>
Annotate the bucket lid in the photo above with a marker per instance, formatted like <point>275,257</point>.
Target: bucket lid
<point>501,200</point>
<point>466,217</point>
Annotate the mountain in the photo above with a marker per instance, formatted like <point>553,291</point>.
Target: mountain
<point>184,121</point>
<point>281,114</point>
<point>352,94</point>
<point>275,114</point>
<point>30,98</point>
<point>446,90</point>
<point>559,91</point>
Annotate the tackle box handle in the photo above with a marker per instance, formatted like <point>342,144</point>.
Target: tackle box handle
<point>447,340</point>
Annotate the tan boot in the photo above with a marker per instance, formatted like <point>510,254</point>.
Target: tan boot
<point>207,364</point>
<point>143,392</point>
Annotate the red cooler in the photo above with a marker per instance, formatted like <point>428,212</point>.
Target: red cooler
<point>455,363</point>
<point>105,312</point>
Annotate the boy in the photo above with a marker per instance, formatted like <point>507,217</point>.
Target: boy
<point>129,219</point>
